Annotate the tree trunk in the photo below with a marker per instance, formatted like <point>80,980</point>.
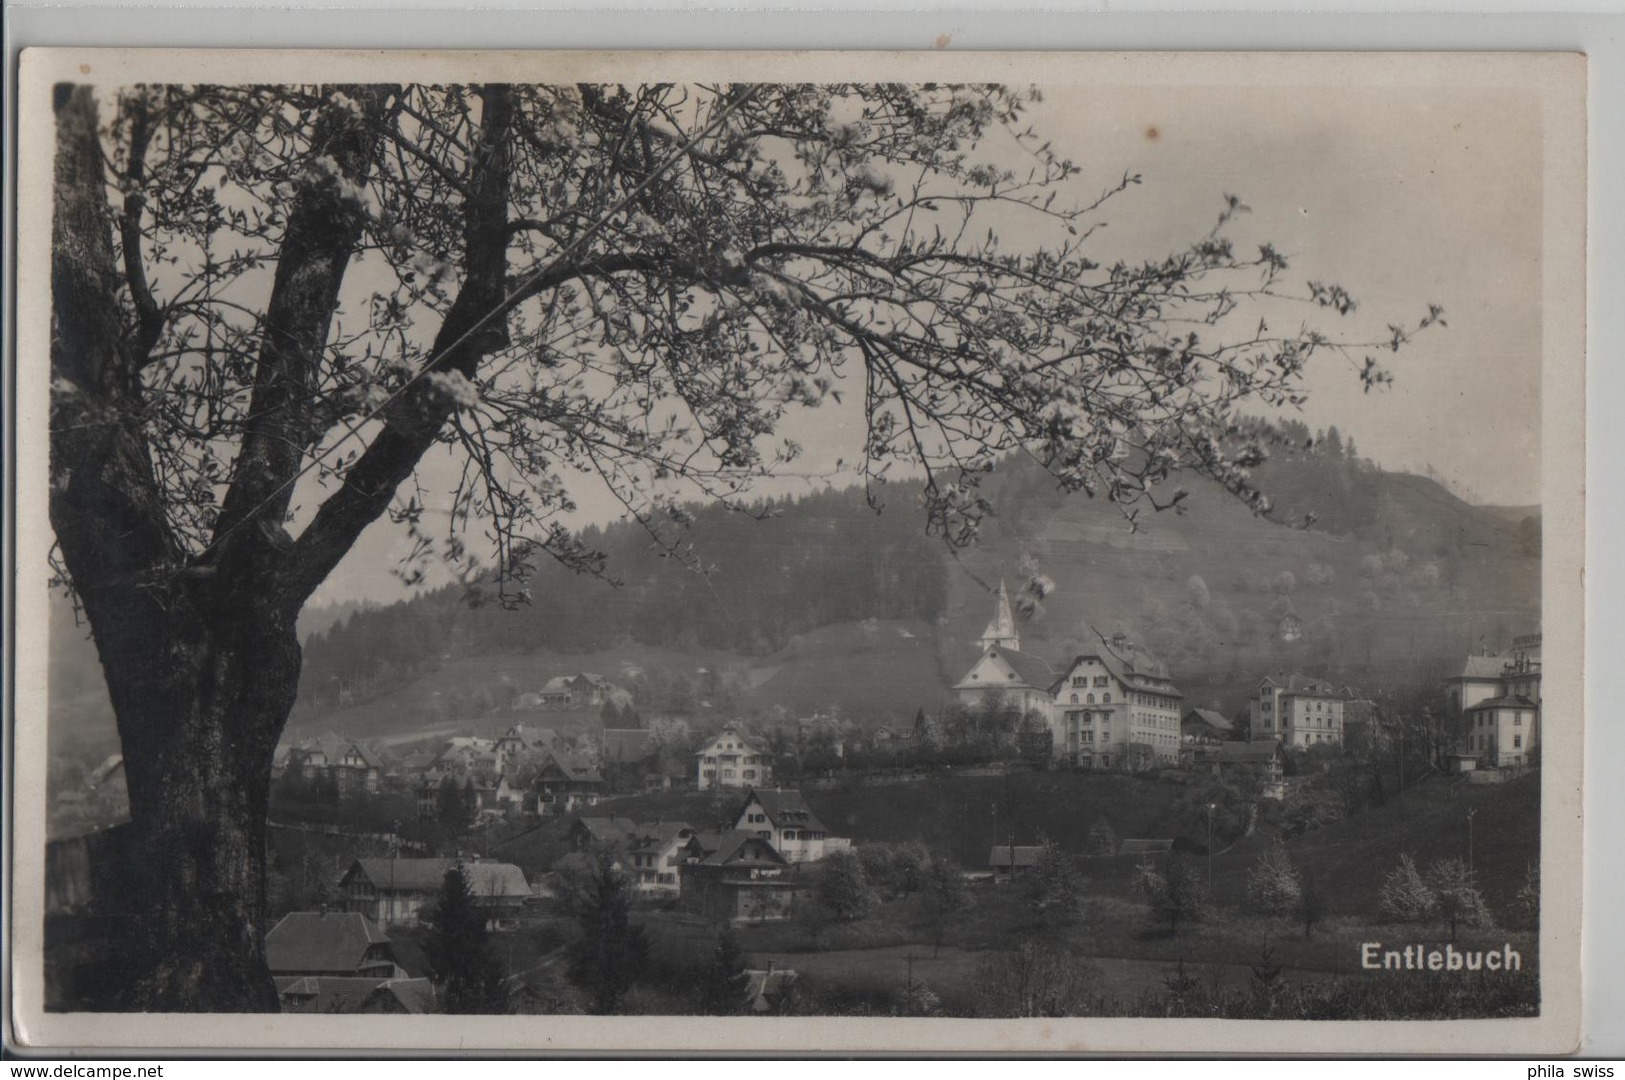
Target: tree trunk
<point>198,753</point>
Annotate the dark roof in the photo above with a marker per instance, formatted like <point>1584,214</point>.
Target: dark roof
<point>1145,847</point>
<point>656,836</point>
<point>731,851</point>
<point>1510,701</point>
<point>1017,855</point>
<point>1247,753</point>
<point>315,941</point>
<point>785,809</point>
<point>606,830</point>
<point>1147,677</point>
<point>573,765</point>
<point>1032,670</point>
<point>1210,717</point>
<point>348,994</point>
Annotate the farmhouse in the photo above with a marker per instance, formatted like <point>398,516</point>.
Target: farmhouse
<point>1011,861</point>
<point>1260,755</point>
<point>394,892</point>
<point>1201,731</point>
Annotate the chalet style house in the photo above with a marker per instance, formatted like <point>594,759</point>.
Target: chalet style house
<point>394,892</point>
<point>744,879</point>
<point>733,759</point>
<point>566,782</point>
<point>784,819</point>
<point>1201,731</point>
<point>331,757</point>
<point>1494,704</point>
<point>1298,711</point>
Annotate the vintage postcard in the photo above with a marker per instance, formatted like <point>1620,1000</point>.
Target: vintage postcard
<point>690,552</point>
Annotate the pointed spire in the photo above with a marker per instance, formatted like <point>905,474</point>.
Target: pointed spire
<point>1001,632</point>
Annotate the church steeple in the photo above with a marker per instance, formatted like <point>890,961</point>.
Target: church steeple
<point>1001,631</point>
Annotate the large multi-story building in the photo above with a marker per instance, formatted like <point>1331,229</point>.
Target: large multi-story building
<point>1298,711</point>
<point>1495,704</point>
<point>1116,708</point>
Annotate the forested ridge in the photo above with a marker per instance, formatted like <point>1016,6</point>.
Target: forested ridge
<point>784,567</point>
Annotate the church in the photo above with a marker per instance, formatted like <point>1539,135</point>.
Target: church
<point>1116,708</point>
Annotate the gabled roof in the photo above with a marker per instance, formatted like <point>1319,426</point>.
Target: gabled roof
<point>785,809</point>
<point>735,731</point>
<point>408,875</point>
<point>1014,855</point>
<point>606,830</point>
<point>558,684</point>
<point>1299,683</point>
<point>495,880</point>
<point>318,941</point>
<point>741,848</point>
<point>572,766</point>
<point>1257,751</point>
<point>1212,718</point>
<point>658,836</point>
<point>1147,678</point>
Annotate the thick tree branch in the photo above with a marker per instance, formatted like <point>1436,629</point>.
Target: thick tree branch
<point>475,326</point>
<point>323,231</point>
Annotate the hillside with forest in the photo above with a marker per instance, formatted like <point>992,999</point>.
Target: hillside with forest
<point>819,603</point>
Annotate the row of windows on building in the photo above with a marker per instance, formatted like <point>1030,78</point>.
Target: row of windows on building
<point>1486,742</point>
<point>728,774</point>
<point>1486,720</point>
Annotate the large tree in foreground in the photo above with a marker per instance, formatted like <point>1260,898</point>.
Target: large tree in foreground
<point>274,306</point>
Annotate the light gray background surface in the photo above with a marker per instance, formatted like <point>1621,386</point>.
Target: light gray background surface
<point>1598,30</point>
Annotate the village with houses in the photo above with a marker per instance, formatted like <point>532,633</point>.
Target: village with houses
<point>740,826</point>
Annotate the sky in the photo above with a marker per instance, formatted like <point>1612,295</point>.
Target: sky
<point>1405,197</point>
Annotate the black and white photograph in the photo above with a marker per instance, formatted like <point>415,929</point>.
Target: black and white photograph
<point>662,550</point>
